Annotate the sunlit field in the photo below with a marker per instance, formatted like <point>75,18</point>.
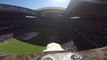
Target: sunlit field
<point>18,47</point>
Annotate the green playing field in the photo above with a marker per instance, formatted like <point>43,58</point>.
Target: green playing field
<point>18,47</point>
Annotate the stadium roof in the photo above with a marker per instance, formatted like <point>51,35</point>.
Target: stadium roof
<point>51,8</point>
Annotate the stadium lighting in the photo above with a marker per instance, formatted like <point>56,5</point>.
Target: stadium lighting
<point>30,16</point>
<point>76,17</point>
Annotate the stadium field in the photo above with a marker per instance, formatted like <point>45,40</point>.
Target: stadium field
<point>15,46</point>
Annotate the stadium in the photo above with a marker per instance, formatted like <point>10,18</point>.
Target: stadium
<point>76,28</point>
<point>27,25</point>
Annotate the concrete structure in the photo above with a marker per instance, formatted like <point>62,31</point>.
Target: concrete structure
<point>86,7</point>
<point>52,12</point>
<point>4,7</point>
<point>14,18</point>
<point>50,16</point>
<point>87,23</point>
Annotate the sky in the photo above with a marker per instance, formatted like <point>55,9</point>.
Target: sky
<point>36,4</point>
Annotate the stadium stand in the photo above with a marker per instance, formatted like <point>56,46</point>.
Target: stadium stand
<point>14,18</point>
<point>6,37</point>
<point>80,22</point>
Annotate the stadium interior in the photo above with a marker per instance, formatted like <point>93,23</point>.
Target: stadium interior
<point>82,22</point>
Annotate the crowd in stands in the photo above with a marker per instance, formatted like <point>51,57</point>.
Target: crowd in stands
<point>6,37</point>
